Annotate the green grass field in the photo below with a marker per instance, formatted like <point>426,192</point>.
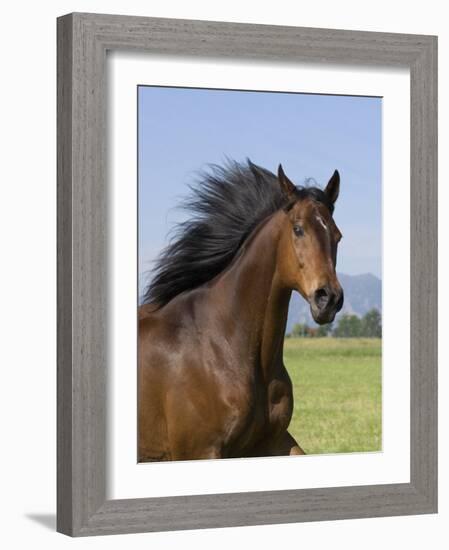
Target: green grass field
<point>337,385</point>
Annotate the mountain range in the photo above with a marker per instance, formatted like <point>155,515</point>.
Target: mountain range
<point>362,293</point>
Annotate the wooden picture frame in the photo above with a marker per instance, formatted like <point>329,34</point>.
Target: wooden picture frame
<point>83,40</point>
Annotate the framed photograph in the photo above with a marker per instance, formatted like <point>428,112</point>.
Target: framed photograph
<point>247,274</point>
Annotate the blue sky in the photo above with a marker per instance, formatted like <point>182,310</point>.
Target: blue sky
<point>182,130</point>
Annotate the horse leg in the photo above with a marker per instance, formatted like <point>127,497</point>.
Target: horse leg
<point>289,446</point>
<point>284,445</point>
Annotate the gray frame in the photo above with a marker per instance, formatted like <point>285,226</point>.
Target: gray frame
<point>83,40</point>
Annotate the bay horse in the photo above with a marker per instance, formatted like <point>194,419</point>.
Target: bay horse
<point>211,377</point>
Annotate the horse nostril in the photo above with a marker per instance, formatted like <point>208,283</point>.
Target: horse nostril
<point>340,301</point>
<point>321,298</point>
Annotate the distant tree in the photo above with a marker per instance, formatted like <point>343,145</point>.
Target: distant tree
<point>299,330</point>
<point>324,330</point>
<point>349,326</point>
<point>372,324</point>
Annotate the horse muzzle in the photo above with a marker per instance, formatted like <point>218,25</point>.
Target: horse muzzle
<point>325,303</point>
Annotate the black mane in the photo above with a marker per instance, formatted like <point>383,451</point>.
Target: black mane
<point>226,206</point>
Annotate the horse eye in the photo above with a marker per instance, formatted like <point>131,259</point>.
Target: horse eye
<point>298,230</point>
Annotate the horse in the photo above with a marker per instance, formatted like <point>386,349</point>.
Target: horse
<point>211,378</point>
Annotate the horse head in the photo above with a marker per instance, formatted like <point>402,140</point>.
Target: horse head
<point>307,254</point>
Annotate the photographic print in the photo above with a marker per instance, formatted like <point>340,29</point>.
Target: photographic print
<point>245,363</point>
<point>260,274</point>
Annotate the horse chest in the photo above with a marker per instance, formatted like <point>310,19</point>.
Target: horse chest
<point>279,404</point>
<point>268,415</point>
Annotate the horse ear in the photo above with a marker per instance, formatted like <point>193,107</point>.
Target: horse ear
<point>333,187</point>
<point>288,188</point>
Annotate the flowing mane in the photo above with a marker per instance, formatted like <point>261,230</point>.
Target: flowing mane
<point>226,205</point>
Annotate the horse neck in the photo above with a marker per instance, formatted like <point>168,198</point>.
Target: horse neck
<point>257,303</point>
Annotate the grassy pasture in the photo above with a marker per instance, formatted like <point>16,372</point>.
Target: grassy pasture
<point>337,386</point>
